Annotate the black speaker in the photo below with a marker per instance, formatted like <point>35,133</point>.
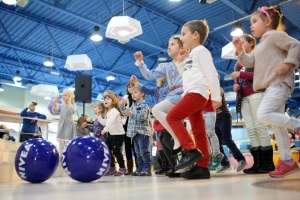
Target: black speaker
<point>83,88</point>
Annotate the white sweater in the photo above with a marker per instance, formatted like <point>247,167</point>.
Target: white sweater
<point>199,74</point>
<point>114,122</point>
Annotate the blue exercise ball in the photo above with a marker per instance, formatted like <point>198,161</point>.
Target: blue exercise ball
<point>36,160</point>
<point>86,158</point>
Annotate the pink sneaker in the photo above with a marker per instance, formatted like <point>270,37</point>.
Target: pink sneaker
<point>110,171</point>
<point>284,168</point>
<point>121,172</point>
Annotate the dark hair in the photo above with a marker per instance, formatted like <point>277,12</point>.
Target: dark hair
<point>249,39</point>
<point>275,15</point>
<point>200,26</point>
<point>81,120</point>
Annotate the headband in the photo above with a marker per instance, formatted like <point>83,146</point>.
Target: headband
<point>264,10</point>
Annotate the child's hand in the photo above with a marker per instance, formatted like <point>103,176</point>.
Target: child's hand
<point>138,56</point>
<point>236,87</point>
<point>216,104</point>
<point>235,75</point>
<point>103,132</point>
<point>182,54</point>
<point>237,44</point>
<point>133,79</point>
<point>127,112</point>
<point>122,101</point>
<point>283,69</point>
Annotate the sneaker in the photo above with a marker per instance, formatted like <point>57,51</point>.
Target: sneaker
<point>196,173</point>
<point>284,168</point>
<point>215,161</point>
<point>110,171</point>
<point>242,165</point>
<point>121,172</point>
<point>188,158</point>
<point>145,173</point>
<point>171,174</point>
<point>222,169</point>
<point>135,173</point>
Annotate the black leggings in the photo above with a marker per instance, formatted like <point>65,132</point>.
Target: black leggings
<point>167,143</point>
<point>114,143</point>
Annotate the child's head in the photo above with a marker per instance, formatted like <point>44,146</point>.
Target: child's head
<point>111,101</point>
<point>265,19</point>
<point>99,106</point>
<point>194,33</point>
<point>81,120</point>
<point>68,94</point>
<point>5,136</point>
<point>248,42</point>
<point>174,46</point>
<point>138,96</point>
<point>129,88</point>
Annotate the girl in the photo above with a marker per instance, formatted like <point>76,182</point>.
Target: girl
<point>116,131</point>
<point>99,123</point>
<point>274,60</point>
<point>199,78</point>
<point>174,80</point>
<point>81,127</point>
<point>261,148</point>
<point>66,130</point>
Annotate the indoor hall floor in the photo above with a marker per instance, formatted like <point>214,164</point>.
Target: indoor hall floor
<point>230,185</point>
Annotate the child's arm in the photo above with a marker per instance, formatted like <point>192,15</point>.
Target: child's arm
<point>247,60</point>
<point>101,120</point>
<point>138,86</point>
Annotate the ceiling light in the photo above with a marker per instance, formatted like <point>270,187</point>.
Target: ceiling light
<point>47,98</point>
<point>123,28</point>
<point>162,57</point>
<point>110,78</point>
<point>71,88</point>
<point>96,37</point>
<point>10,2</point>
<point>43,90</point>
<point>237,32</point>
<point>48,62</point>
<point>17,79</point>
<point>78,62</point>
<point>1,88</point>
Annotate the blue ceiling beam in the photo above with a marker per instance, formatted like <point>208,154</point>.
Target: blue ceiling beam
<point>234,7</point>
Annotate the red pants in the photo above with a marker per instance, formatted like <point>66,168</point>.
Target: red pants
<point>191,106</point>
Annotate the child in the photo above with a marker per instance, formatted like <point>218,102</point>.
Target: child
<point>116,131</point>
<point>139,130</point>
<point>274,61</point>
<point>66,130</point>
<point>199,76</point>
<point>99,123</point>
<point>160,92</point>
<point>261,148</point>
<point>81,129</point>
<point>174,81</point>
<point>223,131</point>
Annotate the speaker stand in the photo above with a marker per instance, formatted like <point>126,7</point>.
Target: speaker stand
<point>83,106</point>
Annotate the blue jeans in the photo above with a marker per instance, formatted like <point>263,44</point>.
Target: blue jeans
<point>141,146</point>
<point>223,131</point>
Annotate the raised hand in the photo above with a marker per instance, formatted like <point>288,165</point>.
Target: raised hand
<point>182,54</point>
<point>237,44</point>
<point>133,79</point>
<point>235,75</point>
<point>138,56</point>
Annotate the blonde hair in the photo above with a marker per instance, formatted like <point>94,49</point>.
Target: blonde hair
<point>70,93</point>
<point>199,26</point>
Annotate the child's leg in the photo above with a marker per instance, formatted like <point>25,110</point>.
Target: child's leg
<point>160,112</point>
<point>116,143</point>
<point>198,129</point>
<point>271,109</point>
<point>188,105</point>
<point>283,142</point>
<point>210,122</point>
<point>137,149</point>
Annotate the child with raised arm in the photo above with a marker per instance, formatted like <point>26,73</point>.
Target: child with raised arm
<point>261,148</point>
<point>66,130</point>
<point>116,132</point>
<point>174,81</point>
<point>199,76</point>
<point>274,60</point>
<point>139,130</point>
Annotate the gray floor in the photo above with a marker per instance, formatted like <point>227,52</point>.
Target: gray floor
<point>230,185</point>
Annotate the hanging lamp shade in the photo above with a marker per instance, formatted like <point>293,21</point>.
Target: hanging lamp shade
<point>123,28</point>
<point>43,90</point>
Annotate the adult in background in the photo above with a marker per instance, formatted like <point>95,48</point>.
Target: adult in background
<point>29,127</point>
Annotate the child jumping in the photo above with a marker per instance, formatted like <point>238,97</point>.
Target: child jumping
<point>199,76</point>
<point>274,60</point>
